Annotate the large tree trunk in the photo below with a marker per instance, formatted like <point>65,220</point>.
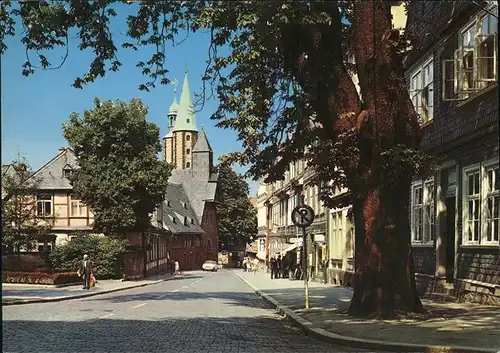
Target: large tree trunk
<point>384,266</point>
<point>384,278</point>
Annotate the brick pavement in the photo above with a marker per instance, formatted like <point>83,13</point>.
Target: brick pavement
<point>448,324</point>
<point>201,313</point>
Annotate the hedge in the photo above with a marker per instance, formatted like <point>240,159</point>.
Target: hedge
<point>40,277</point>
<point>105,254</point>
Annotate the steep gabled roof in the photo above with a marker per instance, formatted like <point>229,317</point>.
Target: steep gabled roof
<point>51,174</point>
<point>198,191</point>
<point>178,214</point>
<point>202,144</point>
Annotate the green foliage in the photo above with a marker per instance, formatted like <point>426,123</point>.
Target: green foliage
<point>254,82</point>
<point>401,161</point>
<point>237,218</point>
<point>120,176</point>
<point>104,252</point>
<point>21,225</point>
<point>274,77</point>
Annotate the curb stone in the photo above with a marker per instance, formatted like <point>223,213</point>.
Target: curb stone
<point>355,342</point>
<point>80,296</point>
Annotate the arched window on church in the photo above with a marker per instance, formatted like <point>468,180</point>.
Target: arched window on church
<point>188,137</point>
<point>188,165</point>
<point>188,151</point>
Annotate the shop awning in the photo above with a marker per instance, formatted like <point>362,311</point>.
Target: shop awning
<point>290,248</point>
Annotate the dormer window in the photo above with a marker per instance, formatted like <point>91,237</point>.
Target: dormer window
<point>188,120</point>
<point>185,205</point>
<point>192,220</point>
<point>185,221</point>
<point>168,203</point>
<point>67,172</point>
<point>174,220</point>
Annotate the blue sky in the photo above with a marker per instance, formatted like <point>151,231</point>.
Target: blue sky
<point>34,108</point>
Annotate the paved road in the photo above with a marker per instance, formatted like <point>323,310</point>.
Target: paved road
<point>202,312</point>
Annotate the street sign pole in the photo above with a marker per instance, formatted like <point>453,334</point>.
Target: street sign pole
<point>306,282</point>
<point>303,217</point>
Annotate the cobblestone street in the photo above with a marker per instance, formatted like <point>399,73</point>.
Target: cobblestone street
<point>201,312</point>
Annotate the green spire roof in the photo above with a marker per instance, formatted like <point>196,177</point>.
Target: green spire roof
<point>185,120</point>
<point>174,107</point>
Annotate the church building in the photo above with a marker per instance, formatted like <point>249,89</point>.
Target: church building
<point>188,210</point>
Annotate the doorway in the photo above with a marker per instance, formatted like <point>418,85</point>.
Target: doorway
<point>450,238</point>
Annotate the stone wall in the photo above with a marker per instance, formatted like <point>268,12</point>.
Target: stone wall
<point>479,264</point>
<point>424,259</point>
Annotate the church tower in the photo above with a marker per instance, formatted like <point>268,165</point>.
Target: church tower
<point>168,140</point>
<point>182,132</point>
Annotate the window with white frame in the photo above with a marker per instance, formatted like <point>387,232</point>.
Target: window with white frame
<point>283,204</point>
<point>481,204</point>
<point>77,207</point>
<point>275,214</point>
<point>292,203</point>
<point>474,65</point>
<point>350,233</point>
<point>44,205</point>
<point>422,212</point>
<point>492,204</point>
<point>337,233</point>
<point>293,170</point>
<point>422,91</point>
<point>310,195</point>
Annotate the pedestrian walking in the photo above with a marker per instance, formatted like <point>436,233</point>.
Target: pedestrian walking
<point>177,268</point>
<point>85,271</point>
<point>273,267</point>
<point>279,266</point>
<point>284,267</point>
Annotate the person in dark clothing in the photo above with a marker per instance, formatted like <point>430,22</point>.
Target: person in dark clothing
<point>273,267</point>
<point>279,266</point>
<point>324,265</point>
<point>85,271</point>
<point>284,267</point>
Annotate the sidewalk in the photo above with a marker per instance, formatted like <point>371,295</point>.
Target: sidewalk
<point>15,294</point>
<point>448,327</point>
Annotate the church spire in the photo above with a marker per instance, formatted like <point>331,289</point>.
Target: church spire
<point>185,120</point>
<point>174,107</point>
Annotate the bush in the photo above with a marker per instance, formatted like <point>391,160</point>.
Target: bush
<point>40,277</point>
<point>106,254</point>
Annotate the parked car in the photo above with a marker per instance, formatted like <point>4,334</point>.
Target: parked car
<point>210,265</point>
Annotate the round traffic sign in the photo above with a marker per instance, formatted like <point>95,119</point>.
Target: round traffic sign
<point>302,216</point>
